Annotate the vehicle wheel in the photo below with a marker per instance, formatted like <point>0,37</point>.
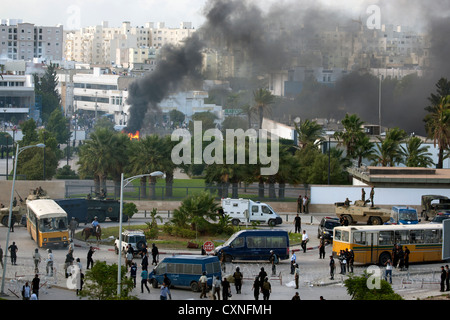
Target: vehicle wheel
<point>194,286</point>
<point>154,283</point>
<point>375,221</point>
<point>116,249</point>
<point>124,218</point>
<point>101,217</point>
<point>272,223</point>
<point>228,258</point>
<point>384,257</point>
<point>5,221</point>
<point>235,222</point>
<point>140,245</point>
<point>349,219</point>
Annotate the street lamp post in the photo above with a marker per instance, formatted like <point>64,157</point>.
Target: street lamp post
<point>123,184</point>
<point>18,151</point>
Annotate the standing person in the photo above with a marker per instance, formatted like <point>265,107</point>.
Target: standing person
<point>372,194</point>
<point>299,204</point>
<point>155,254</point>
<point>388,272</point>
<point>1,256</point>
<point>363,196</point>
<point>216,286</point>
<point>443,277</point>
<point>273,260</point>
<point>256,288</point>
<point>262,275</point>
<point>90,261</point>
<point>144,279</point>
<point>350,260</point>
<point>237,275</point>
<point>72,227</point>
<point>49,267</point>
<point>305,204</point>
<point>322,248</point>
<point>37,260</point>
<point>297,224</point>
<point>35,285</point>
<point>133,272</point>
<point>266,289</point>
<point>332,267</point>
<point>343,261</point>
<point>68,262</point>
<point>26,291</point>
<point>13,249</point>
<point>296,275</point>
<point>203,284</point>
<point>144,262</point>
<point>226,290</point>
<point>222,261</point>
<point>293,262</point>
<point>447,280</point>
<point>406,257</point>
<point>165,292</point>
<point>305,240</point>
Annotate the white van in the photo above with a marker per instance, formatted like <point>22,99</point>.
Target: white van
<point>238,210</point>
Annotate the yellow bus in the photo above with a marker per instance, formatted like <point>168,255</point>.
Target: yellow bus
<point>374,244</point>
<point>47,223</point>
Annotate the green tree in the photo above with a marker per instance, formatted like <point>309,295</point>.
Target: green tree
<point>364,149</point>
<point>177,117</point>
<point>388,151</point>
<point>47,88</point>
<point>351,135</point>
<point>100,283</point>
<point>437,124</point>
<point>416,154</point>
<point>196,211</point>
<point>58,125</point>
<point>358,289</point>
<point>263,99</point>
<point>308,132</point>
<point>29,131</point>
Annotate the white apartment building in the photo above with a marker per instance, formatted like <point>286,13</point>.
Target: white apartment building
<point>100,93</point>
<point>104,45</point>
<point>16,96</point>
<point>25,41</point>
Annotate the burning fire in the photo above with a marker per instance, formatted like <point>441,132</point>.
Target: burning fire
<point>134,136</point>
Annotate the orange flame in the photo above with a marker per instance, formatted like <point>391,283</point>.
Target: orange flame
<point>134,136</point>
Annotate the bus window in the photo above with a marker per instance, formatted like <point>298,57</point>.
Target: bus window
<point>345,236</point>
<point>337,234</point>
<point>432,236</point>
<point>416,236</point>
<point>386,238</point>
<point>402,236</point>
<point>359,238</point>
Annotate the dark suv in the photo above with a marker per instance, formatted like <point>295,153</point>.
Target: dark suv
<point>326,227</point>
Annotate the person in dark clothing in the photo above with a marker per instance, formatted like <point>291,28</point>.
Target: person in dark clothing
<point>133,272</point>
<point>297,224</point>
<point>262,275</point>
<point>13,249</point>
<point>256,288</point>
<point>35,285</point>
<point>90,261</point>
<point>237,275</point>
<point>406,257</point>
<point>226,290</point>
<point>155,254</point>
<point>443,277</point>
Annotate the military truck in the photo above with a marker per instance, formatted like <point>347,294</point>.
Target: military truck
<point>432,204</point>
<point>362,212</point>
<point>18,215</point>
<point>85,209</point>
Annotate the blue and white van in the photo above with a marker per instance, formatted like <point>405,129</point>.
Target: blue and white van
<point>404,215</point>
<point>255,245</point>
<point>184,271</point>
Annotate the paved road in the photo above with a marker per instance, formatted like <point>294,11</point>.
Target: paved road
<point>314,280</point>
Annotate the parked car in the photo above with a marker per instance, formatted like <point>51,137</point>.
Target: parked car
<point>326,227</point>
<point>440,217</point>
<point>134,238</point>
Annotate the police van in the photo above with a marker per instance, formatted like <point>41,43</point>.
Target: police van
<point>255,245</point>
<point>184,271</point>
<point>246,210</point>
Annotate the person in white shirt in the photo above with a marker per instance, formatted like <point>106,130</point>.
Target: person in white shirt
<point>305,240</point>
<point>49,267</point>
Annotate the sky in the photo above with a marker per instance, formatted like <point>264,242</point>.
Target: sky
<point>75,14</point>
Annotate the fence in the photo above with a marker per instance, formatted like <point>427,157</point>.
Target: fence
<point>161,192</point>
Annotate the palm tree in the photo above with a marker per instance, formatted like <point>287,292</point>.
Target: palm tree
<point>389,151</point>
<point>94,157</point>
<point>146,157</point>
<point>308,132</point>
<point>437,125</point>
<point>263,99</point>
<point>364,149</point>
<point>118,158</point>
<point>416,155</point>
<point>352,133</point>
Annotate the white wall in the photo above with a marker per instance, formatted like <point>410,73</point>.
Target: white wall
<point>383,196</point>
